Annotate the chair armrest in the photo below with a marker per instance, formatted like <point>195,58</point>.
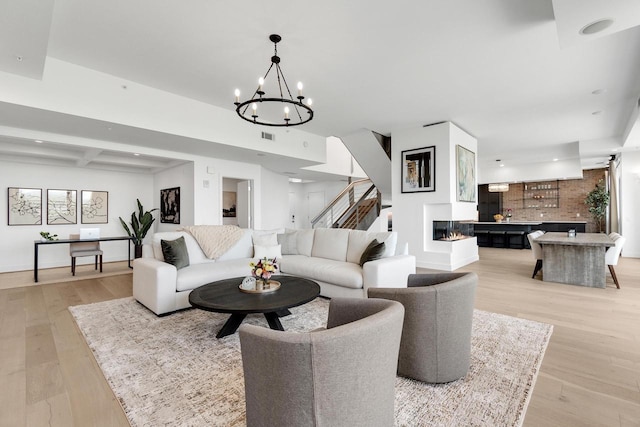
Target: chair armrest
<point>154,284</point>
<point>390,272</point>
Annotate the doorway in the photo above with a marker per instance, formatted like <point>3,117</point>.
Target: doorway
<point>237,202</point>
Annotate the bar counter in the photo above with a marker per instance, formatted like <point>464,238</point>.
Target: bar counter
<point>513,234</point>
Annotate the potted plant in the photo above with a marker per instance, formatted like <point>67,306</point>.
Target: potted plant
<point>598,200</point>
<point>140,225</point>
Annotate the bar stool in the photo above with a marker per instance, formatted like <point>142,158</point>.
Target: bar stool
<point>498,238</point>
<point>515,239</point>
<point>482,237</point>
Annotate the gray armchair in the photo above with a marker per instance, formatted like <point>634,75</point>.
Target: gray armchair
<point>436,336</point>
<point>340,376</point>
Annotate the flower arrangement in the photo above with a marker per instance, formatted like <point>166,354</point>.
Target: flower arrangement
<point>498,217</point>
<point>264,268</point>
<point>509,213</point>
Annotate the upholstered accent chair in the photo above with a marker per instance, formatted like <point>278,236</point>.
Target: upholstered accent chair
<point>80,249</point>
<point>536,249</point>
<point>436,336</point>
<point>612,255</point>
<point>343,375</point>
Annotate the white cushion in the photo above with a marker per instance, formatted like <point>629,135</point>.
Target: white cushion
<point>242,249</point>
<point>330,243</point>
<point>358,242</point>
<point>267,251</point>
<point>196,256</point>
<point>326,270</point>
<point>390,240</point>
<point>266,239</point>
<point>200,274</point>
<point>304,241</point>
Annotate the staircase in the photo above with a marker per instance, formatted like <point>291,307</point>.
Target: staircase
<point>356,207</point>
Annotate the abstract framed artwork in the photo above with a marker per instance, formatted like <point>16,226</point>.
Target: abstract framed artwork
<point>62,207</point>
<point>229,204</point>
<point>466,174</point>
<point>25,206</point>
<point>419,170</point>
<point>170,205</point>
<point>95,207</point>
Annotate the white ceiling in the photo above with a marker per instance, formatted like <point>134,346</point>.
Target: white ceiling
<point>516,74</point>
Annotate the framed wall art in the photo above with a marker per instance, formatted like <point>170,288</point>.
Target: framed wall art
<point>62,207</point>
<point>419,170</point>
<point>95,207</point>
<point>25,206</point>
<point>170,205</point>
<point>466,174</point>
<point>229,204</point>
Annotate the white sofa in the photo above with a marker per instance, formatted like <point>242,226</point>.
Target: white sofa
<point>330,257</point>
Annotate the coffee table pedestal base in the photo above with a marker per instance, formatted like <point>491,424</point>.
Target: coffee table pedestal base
<point>235,320</point>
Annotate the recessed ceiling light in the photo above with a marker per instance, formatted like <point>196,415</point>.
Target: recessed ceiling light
<point>614,149</point>
<point>38,141</point>
<point>597,26</point>
<point>501,165</point>
<point>599,91</point>
<point>136,154</point>
<point>555,160</point>
<point>597,113</point>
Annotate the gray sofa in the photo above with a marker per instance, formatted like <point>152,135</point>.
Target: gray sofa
<point>331,257</point>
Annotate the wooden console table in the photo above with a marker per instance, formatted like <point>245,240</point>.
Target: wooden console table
<point>37,243</point>
<point>575,260</point>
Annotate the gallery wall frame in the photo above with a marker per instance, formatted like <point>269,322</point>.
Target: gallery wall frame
<point>24,206</point>
<point>95,207</point>
<point>62,207</point>
<point>465,174</point>
<point>170,205</point>
<point>418,170</point>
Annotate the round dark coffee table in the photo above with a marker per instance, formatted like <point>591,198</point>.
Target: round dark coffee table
<point>224,296</point>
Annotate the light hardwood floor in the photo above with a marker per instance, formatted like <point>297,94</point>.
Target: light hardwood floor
<point>590,375</point>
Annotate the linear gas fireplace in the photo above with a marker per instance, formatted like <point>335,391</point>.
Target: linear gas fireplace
<point>451,231</point>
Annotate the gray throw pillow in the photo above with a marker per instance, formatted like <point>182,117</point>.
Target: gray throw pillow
<point>374,251</point>
<point>288,243</point>
<point>175,252</point>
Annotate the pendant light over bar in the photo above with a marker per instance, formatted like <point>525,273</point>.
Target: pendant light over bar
<point>294,112</point>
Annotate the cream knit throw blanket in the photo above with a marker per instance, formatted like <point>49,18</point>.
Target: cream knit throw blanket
<point>215,240</point>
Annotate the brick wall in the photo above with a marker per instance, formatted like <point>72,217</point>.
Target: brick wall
<point>570,201</point>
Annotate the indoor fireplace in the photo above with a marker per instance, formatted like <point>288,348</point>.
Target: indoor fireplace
<point>452,231</point>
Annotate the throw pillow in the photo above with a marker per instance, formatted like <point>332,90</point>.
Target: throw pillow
<point>265,238</point>
<point>175,252</point>
<point>374,251</point>
<point>269,252</point>
<point>288,242</point>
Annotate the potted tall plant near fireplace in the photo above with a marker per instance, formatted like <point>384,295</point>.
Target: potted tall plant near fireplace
<point>140,225</point>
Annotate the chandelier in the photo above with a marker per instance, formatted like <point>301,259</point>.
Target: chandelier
<point>293,113</point>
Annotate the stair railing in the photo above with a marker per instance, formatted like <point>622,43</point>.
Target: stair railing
<point>345,204</point>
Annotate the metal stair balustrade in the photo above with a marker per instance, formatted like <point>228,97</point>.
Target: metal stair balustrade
<point>353,207</point>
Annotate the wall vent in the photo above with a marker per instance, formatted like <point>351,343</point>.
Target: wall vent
<point>268,136</point>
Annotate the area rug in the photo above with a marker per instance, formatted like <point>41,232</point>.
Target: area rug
<point>172,371</point>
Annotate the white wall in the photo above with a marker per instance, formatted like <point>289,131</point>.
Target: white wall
<point>16,244</point>
<point>274,201</point>
<point>414,213</point>
<point>300,196</point>
<point>339,161</point>
<point>630,203</point>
